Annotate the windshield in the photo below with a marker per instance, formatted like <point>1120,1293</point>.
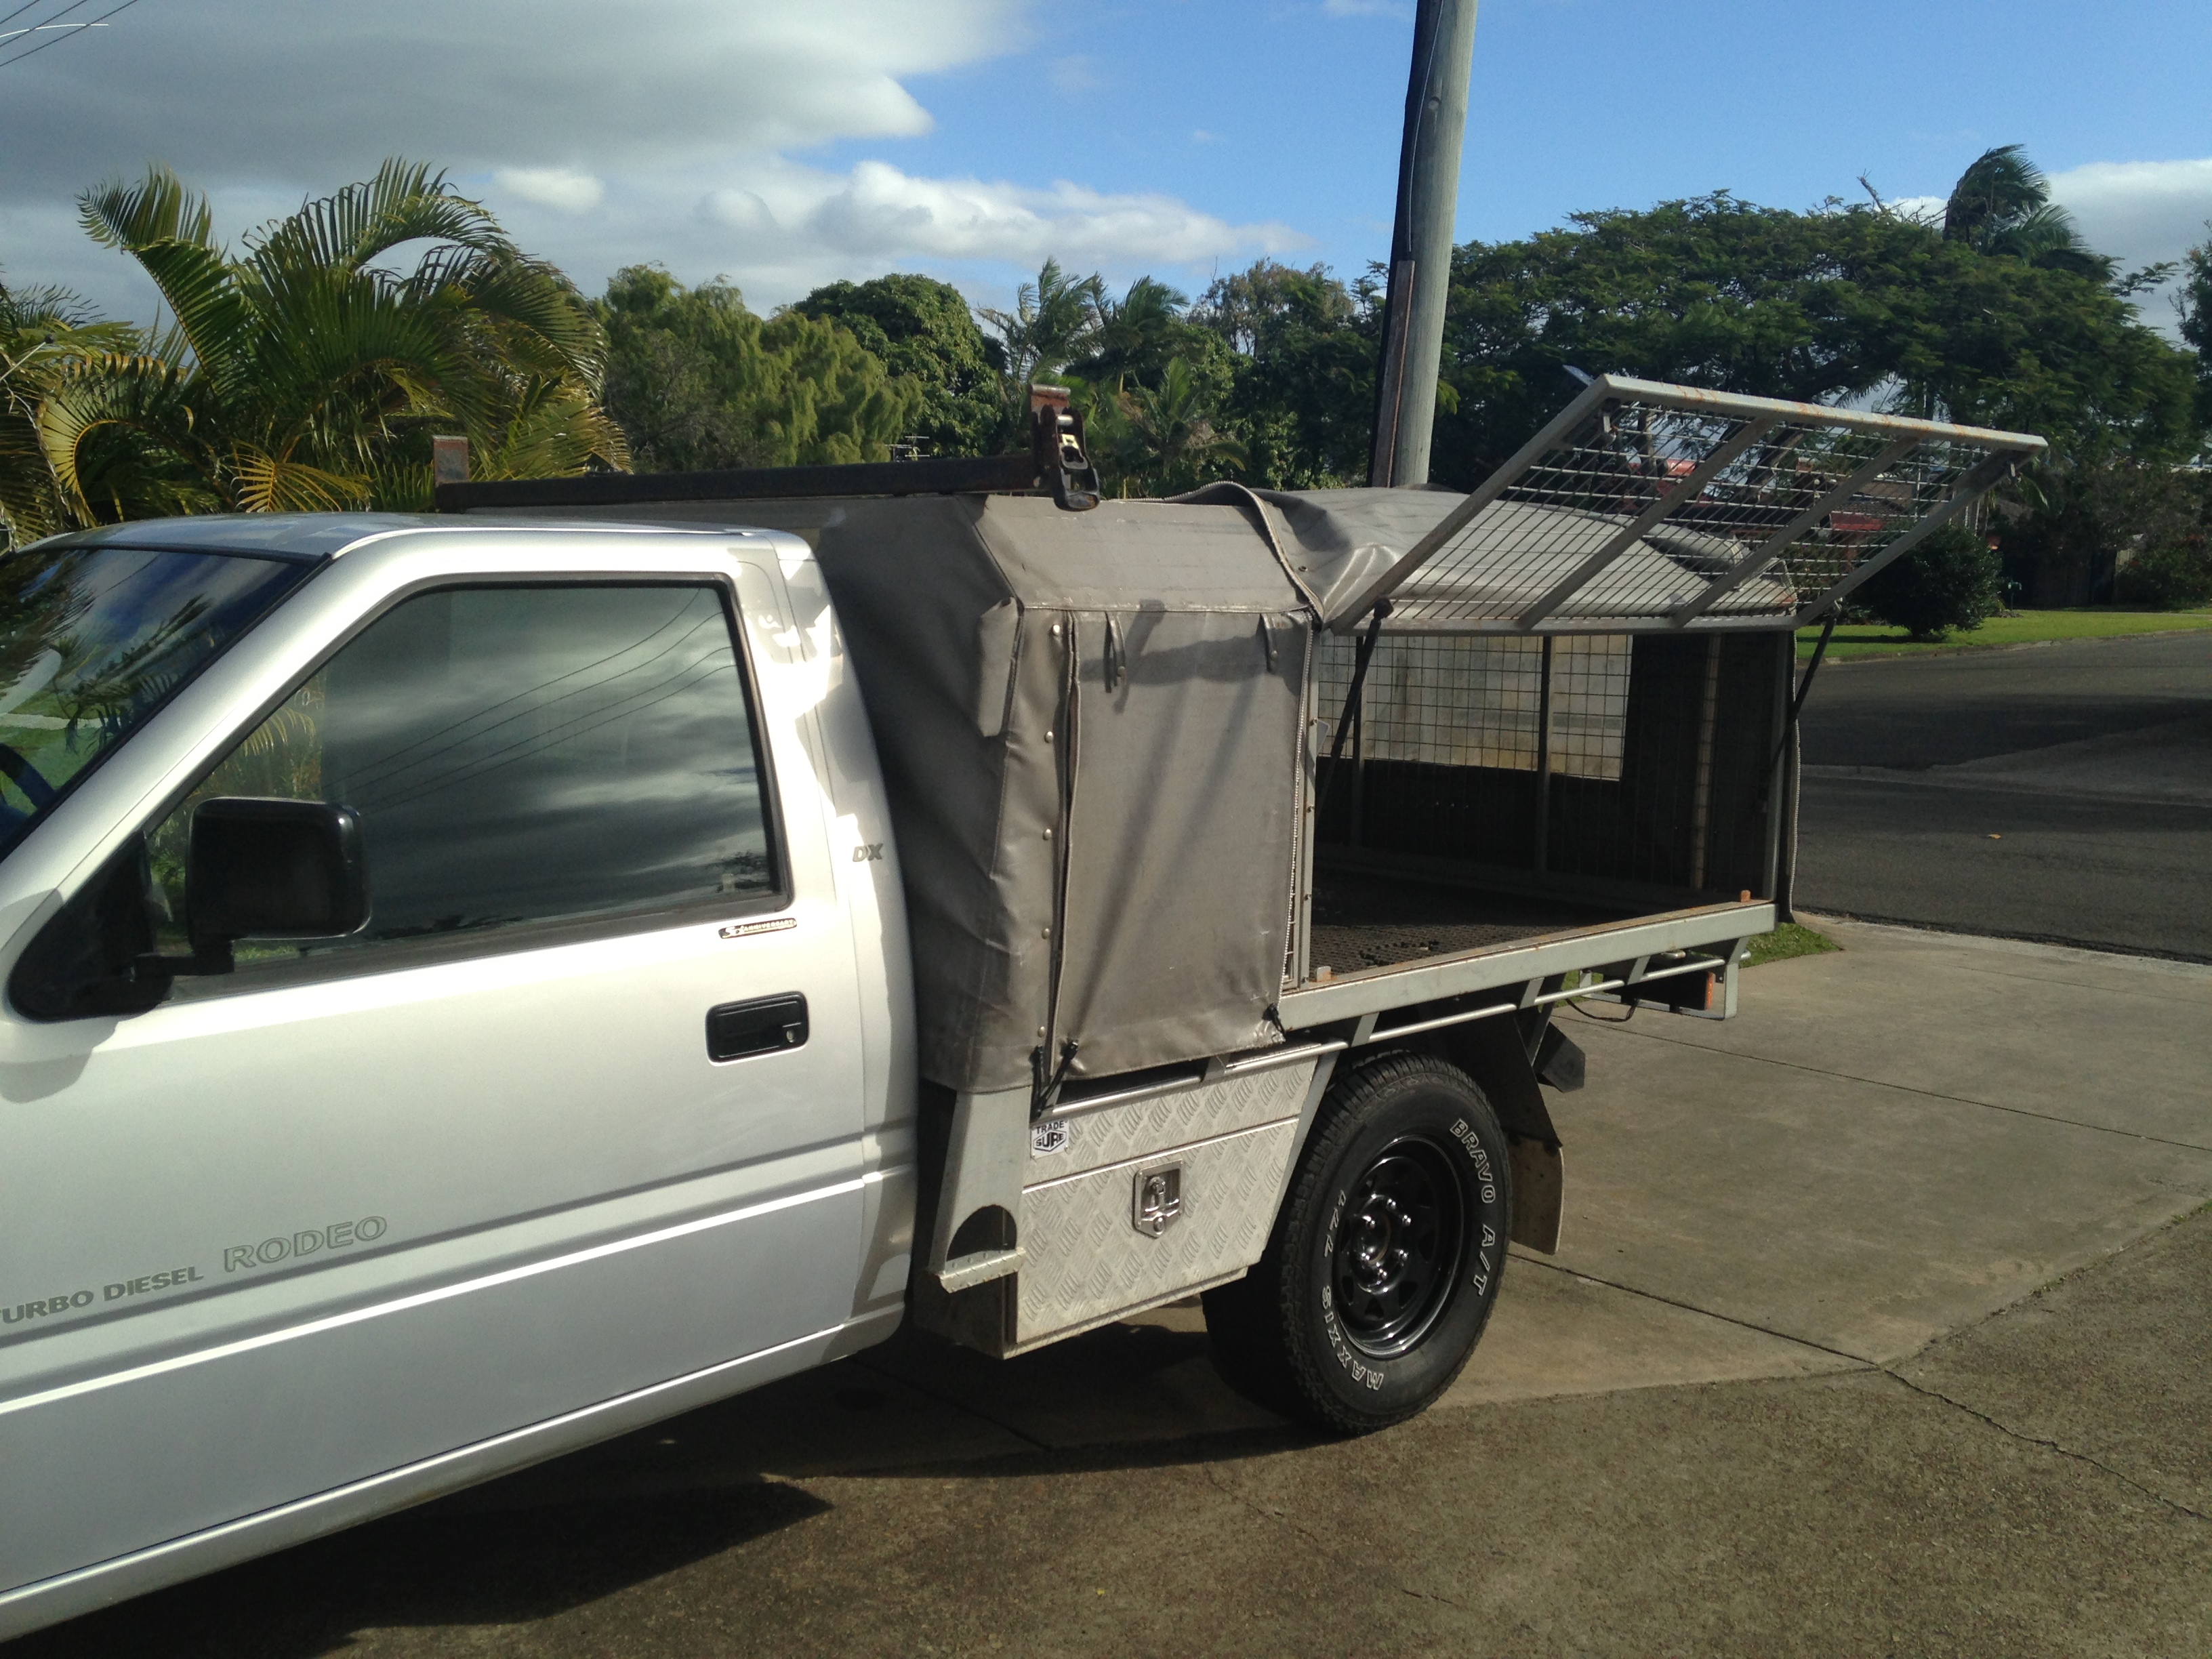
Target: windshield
<point>93,639</point>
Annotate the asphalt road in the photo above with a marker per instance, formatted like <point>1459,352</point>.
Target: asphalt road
<point>2060,792</point>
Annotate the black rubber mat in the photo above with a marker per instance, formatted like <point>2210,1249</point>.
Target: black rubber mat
<point>1362,921</point>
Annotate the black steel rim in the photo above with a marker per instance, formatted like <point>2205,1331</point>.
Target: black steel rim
<point>1398,1248</point>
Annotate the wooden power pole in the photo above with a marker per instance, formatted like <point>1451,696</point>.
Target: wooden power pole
<point>1421,241</point>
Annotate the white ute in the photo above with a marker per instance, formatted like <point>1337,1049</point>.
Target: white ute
<point>460,997</point>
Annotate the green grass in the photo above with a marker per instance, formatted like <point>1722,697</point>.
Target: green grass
<point>1787,941</point>
<point>2021,628</point>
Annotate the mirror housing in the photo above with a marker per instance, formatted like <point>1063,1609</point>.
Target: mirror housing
<point>271,869</point>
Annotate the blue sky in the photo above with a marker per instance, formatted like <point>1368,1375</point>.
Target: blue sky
<point>785,145</point>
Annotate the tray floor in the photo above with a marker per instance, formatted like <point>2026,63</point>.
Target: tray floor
<point>1363,921</point>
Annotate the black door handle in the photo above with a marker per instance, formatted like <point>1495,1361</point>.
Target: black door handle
<point>761,1026</point>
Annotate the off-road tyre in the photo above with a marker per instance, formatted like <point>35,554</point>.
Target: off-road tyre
<point>1385,1260</point>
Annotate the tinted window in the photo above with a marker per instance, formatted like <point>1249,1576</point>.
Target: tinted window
<point>520,755</point>
<point>93,639</point>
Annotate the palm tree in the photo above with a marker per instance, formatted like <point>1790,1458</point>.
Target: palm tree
<point>1131,337</point>
<point>303,374</point>
<point>1162,439</point>
<point>2002,204</point>
<point>1052,325</point>
<point>41,330</point>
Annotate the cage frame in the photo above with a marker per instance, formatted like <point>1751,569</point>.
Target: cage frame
<point>1902,437</point>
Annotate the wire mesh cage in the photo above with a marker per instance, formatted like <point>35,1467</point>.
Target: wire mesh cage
<point>1480,701</point>
<point>1648,508</point>
<point>1651,761</point>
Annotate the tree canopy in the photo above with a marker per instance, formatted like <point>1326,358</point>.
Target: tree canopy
<point>924,330</point>
<point>698,382</point>
<point>303,370</point>
<point>1845,303</point>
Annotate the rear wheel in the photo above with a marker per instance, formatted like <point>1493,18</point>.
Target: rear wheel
<point>1384,1263</point>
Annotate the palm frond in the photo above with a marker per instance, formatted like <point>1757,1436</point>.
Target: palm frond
<point>274,483</point>
<point>405,202</point>
<point>160,208</point>
<point>148,399</point>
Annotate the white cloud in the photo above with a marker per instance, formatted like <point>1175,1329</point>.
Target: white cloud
<point>880,211</point>
<point>601,133</point>
<point>563,189</point>
<point>1072,77</point>
<point>1929,208</point>
<point>2139,212</point>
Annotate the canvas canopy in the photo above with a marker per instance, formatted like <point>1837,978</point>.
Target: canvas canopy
<point>1089,724</point>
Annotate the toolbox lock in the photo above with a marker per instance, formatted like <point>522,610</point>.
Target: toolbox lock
<point>1157,1201</point>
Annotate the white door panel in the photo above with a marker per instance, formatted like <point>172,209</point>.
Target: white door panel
<point>259,1418</point>
<point>418,1206</point>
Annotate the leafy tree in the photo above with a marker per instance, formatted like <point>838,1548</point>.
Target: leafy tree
<point>2113,528</point>
<point>1847,301</point>
<point>1301,403</point>
<point>2195,304</point>
<point>923,329</point>
<point>1952,580</point>
<point>698,381</point>
<point>304,374</point>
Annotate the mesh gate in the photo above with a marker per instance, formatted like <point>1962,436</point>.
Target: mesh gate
<point>1644,507</point>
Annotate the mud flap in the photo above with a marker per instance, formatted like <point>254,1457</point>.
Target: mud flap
<point>1493,1054</point>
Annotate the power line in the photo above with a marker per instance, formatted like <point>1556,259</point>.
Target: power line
<point>63,12</point>
<point>26,6</point>
<point>76,29</point>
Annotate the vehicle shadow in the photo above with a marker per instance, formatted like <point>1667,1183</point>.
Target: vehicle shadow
<point>440,1564</point>
<point>566,1533</point>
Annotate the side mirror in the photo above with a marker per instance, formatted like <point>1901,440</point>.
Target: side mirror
<point>271,869</point>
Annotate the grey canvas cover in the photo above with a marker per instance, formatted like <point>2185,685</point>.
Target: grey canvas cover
<point>1089,724</point>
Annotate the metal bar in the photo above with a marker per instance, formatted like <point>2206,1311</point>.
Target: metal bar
<point>1508,627</point>
<point>1770,550</point>
<point>1585,403</point>
<point>956,474</point>
<point>1624,389</point>
<point>1777,778</point>
<point>1672,495</point>
<point>1358,719</point>
<point>1694,965</point>
<point>1985,475</point>
<point>1577,991</point>
<point>1701,801</point>
<point>1213,1071</point>
<point>1544,759</point>
<point>1448,1019</point>
<point>1278,1058</point>
<point>1471,972</point>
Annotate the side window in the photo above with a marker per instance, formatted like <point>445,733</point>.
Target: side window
<point>516,755</point>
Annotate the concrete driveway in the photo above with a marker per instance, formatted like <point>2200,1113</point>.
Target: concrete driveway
<point>1880,1327</point>
<point>2059,792</point>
